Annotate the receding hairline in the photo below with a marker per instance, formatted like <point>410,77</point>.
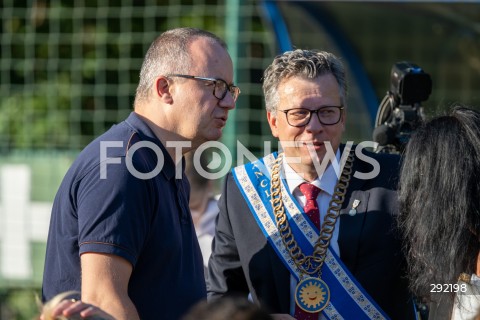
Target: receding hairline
<point>190,35</point>
<point>280,88</point>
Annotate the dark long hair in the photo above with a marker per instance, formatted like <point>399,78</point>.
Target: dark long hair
<point>440,200</point>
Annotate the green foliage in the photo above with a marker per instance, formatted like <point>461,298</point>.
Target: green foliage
<point>19,304</point>
<point>27,119</point>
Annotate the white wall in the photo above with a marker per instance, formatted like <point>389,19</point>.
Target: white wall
<point>21,222</point>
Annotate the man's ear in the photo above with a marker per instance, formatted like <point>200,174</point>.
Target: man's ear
<point>163,90</point>
<point>272,121</point>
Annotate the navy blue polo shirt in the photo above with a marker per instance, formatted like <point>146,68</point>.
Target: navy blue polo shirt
<point>113,201</point>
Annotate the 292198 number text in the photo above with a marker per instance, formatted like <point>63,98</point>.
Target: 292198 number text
<point>448,287</point>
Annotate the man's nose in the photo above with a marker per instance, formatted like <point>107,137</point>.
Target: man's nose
<point>314,124</point>
<point>227,102</point>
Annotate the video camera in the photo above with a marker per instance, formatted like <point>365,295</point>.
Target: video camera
<point>400,111</point>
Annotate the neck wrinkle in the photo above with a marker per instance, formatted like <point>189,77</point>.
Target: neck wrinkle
<point>307,172</point>
<point>165,135</point>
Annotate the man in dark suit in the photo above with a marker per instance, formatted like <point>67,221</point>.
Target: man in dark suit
<point>309,232</point>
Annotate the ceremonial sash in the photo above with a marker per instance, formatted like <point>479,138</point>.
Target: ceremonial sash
<point>348,300</point>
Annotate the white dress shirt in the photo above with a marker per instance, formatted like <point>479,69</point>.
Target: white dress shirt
<point>205,229</point>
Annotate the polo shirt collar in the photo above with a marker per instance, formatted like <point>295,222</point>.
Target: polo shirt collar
<point>146,133</point>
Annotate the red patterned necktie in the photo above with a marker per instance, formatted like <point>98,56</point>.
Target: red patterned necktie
<point>311,209</point>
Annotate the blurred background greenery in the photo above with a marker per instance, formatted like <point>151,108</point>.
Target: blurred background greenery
<point>69,69</point>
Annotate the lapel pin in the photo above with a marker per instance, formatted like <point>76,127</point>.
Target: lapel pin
<point>355,204</point>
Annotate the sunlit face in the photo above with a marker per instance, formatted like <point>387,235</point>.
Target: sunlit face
<point>297,92</point>
<point>312,296</point>
<point>199,116</point>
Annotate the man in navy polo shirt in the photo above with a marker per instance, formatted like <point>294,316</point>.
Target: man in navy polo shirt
<point>121,230</point>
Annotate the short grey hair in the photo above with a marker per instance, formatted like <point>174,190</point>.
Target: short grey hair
<point>169,54</point>
<point>301,63</point>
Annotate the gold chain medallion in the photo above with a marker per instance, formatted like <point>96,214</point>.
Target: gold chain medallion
<point>312,295</point>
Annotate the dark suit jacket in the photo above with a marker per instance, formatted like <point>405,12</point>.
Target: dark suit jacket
<point>243,261</point>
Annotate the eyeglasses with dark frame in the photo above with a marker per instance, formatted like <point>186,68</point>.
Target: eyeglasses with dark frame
<point>220,86</point>
<point>300,117</point>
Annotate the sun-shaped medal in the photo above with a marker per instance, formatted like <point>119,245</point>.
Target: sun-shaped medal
<point>312,295</point>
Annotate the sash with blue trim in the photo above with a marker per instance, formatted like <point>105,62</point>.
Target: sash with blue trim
<point>348,300</point>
